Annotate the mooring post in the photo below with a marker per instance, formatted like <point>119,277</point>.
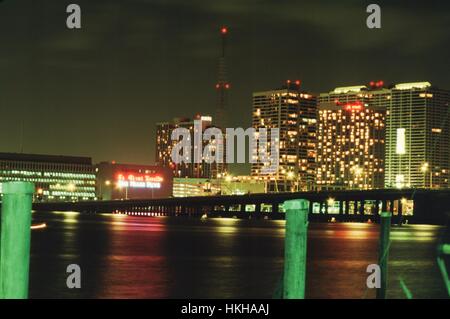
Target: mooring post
<point>294,277</point>
<point>443,250</point>
<point>385,229</point>
<point>15,239</point>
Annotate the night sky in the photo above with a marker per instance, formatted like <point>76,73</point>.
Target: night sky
<point>100,90</point>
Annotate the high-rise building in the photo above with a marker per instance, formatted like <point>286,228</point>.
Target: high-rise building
<point>350,137</point>
<point>293,112</point>
<point>56,178</point>
<point>418,136</point>
<point>165,145</point>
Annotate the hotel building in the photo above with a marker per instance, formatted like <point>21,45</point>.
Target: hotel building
<point>350,137</point>
<point>293,112</point>
<point>56,178</point>
<point>187,168</point>
<point>418,137</point>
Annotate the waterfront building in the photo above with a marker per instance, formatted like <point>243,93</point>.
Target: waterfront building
<point>293,112</point>
<point>56,178</point>
<point>188,168</point>
<point>351,137</point>
<point>229,185</point>
<point>132,181</point>
<point>418,137</point>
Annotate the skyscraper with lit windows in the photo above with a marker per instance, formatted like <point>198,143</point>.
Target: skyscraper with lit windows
<point>165,144</point>
<point>418,137</point>
<point>350,137</point>
<point>293,112</point>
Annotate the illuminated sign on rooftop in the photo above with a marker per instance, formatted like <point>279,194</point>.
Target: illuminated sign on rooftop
<point>139,180</point>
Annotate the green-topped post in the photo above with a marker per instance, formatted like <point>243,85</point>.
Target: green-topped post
<point>15,239</point>
<point>385,230</point>
<point>294,278</point>
<point>443,250</point>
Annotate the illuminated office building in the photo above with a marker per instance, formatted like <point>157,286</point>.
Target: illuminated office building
<point>165,144</point>
<point>56,178</point>
<point>350,137</point>
<point>417,137</point>
<point>293,112</point>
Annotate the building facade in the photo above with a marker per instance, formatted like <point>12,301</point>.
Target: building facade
<point>293,112</point>
<point>188,167</point>
<point>418,137</point>
<point>350,137</point>
<point>231,185</point>
<point>56,178</point>
<point>131,181</point>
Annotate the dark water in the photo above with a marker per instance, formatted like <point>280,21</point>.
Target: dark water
<point>132,257</point>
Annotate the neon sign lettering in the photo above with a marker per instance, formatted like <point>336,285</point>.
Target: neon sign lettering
<point>139,181</point>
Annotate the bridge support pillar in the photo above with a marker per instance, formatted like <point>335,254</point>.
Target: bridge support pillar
<point>376,209</point>
<point>356,207</point>
<point>384,205</point>
<point>361,207</point>
<point>275,208</point>
<point>347,207</point>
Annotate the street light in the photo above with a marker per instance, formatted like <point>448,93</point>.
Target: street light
<point>126,190</point>
<point>291,176</point>
<point>331,201</point>
<point>425,168</point>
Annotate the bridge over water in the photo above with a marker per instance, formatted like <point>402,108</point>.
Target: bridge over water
<point>411,205</point>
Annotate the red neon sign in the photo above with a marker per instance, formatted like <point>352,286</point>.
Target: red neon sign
<point>353,106</point>
<point>131,177</point>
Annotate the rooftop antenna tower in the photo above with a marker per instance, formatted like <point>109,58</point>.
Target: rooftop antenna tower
<point>222,88</point>
<point>222,85</point>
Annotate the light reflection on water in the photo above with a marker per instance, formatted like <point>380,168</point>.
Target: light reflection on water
<point>134,257</point>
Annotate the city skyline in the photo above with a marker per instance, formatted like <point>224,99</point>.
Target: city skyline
<point>167,67</point>
<point>215,152</point>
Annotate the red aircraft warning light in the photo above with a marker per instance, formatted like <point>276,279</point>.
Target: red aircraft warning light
<point>377,84</point>
<point>224,30</point>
